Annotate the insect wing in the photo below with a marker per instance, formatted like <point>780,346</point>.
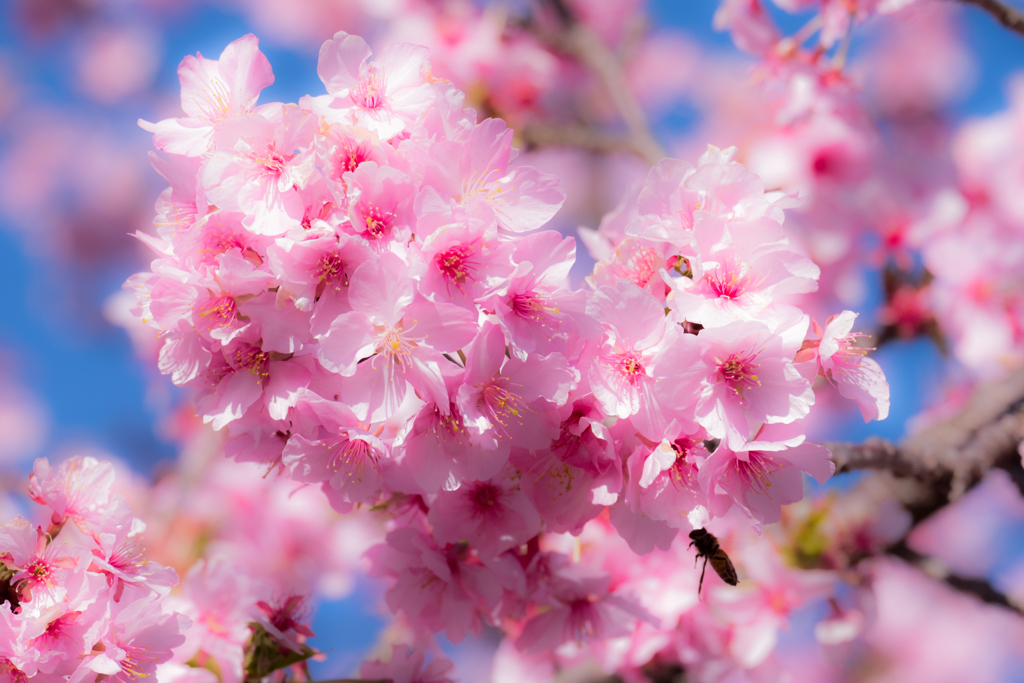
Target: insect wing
<point>722,565</point>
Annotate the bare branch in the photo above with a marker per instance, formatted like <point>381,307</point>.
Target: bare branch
<point>953,455</point>
<point>577,40</point>
<point>574,135</point>
<point>1005,15</point>
<point>980,588</point>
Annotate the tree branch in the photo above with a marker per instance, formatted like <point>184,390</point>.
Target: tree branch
<point>578,41</point>
<point>953,455</point>
<point>574,135</point>
<point>980,588</point>
<point>1005,15</point>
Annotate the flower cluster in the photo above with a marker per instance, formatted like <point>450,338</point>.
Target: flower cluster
<point>82,600</point>
<point>356,288</point>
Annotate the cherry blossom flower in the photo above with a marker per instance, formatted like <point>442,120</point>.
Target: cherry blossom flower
<point>213,90</point>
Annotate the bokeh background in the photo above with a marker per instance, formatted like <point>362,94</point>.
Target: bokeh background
<point>75,181</point>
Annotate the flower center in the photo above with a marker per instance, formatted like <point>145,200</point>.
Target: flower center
<point>629,366</point>
<point>330,269</point>
<point>455,264</point>
<point>218,312</point>
<point>369,93</point>
<point>755,472</point>
<point>531,306</point>
<point>271,162</point>
<point>486,500</point>
<point>738,371</point>
<point>378,222</point>
<point>251,358</point>
<point>351,154</point>
<point>502,405</point>
<point>643,265</point>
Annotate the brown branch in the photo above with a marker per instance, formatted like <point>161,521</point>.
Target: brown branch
<point>980,588</point>
<point>579,42</point>
<point>940,463</point>
<point>1004,14</point>
<point>953,455</point>
<point>574,135</point>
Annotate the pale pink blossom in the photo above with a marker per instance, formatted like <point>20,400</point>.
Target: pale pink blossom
<point>213,90</point>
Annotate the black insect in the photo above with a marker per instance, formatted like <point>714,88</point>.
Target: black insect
<point>708,548</point>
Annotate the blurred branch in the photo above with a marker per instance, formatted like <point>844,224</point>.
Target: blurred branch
<point>578,41</point>
<point>939,464</point>
<point>952,455</point>
<point>1004,14</point>
<point>979,588</point>
<point>574,135</point>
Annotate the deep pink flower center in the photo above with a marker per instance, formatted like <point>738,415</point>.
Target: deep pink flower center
<point>369,92</point>
<point>330,269</point>
<point>455,264</point>
<point>683,473</point>
<point>738,371</point>
<point>39,571</point>
<point>127,556</point>
<point>271,162</point>
<point>643,265</point>
<point>531,305</point>
<point>12,673</point>
<point>584,619</point>
<point>287,616</point>
<point>378,222</point>
<point>485,500</point>
<point>351,154</point>
<point>725,284</point>
<point>397,346</point>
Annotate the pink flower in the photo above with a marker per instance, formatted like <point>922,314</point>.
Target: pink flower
<point>856,376</point>
<point>216,599</point>
<point>439,451</point>
<point>476,175</point>
<point>439,589</point>
<point>750,377</point>
<point>535,306</point>
<point>380,203</point>
<point>506,401</point>
<point>315,269</point>
<point>382,96</point>
<point>256,169</point>
<point>763,474</point>
<point>644,369</point>
<point>78,490</point>
<point>403,338</point>
<point>342,456</point>
<point>663,481</point>
<point>582,607</point>
<point>40,567</point>
<point>407,666</point>
<point>493,516</point>
<point>212,90</point>
<point>140,636</point>
<point>284,620</point>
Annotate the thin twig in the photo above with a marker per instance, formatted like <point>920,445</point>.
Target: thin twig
<point>1007,16</point>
